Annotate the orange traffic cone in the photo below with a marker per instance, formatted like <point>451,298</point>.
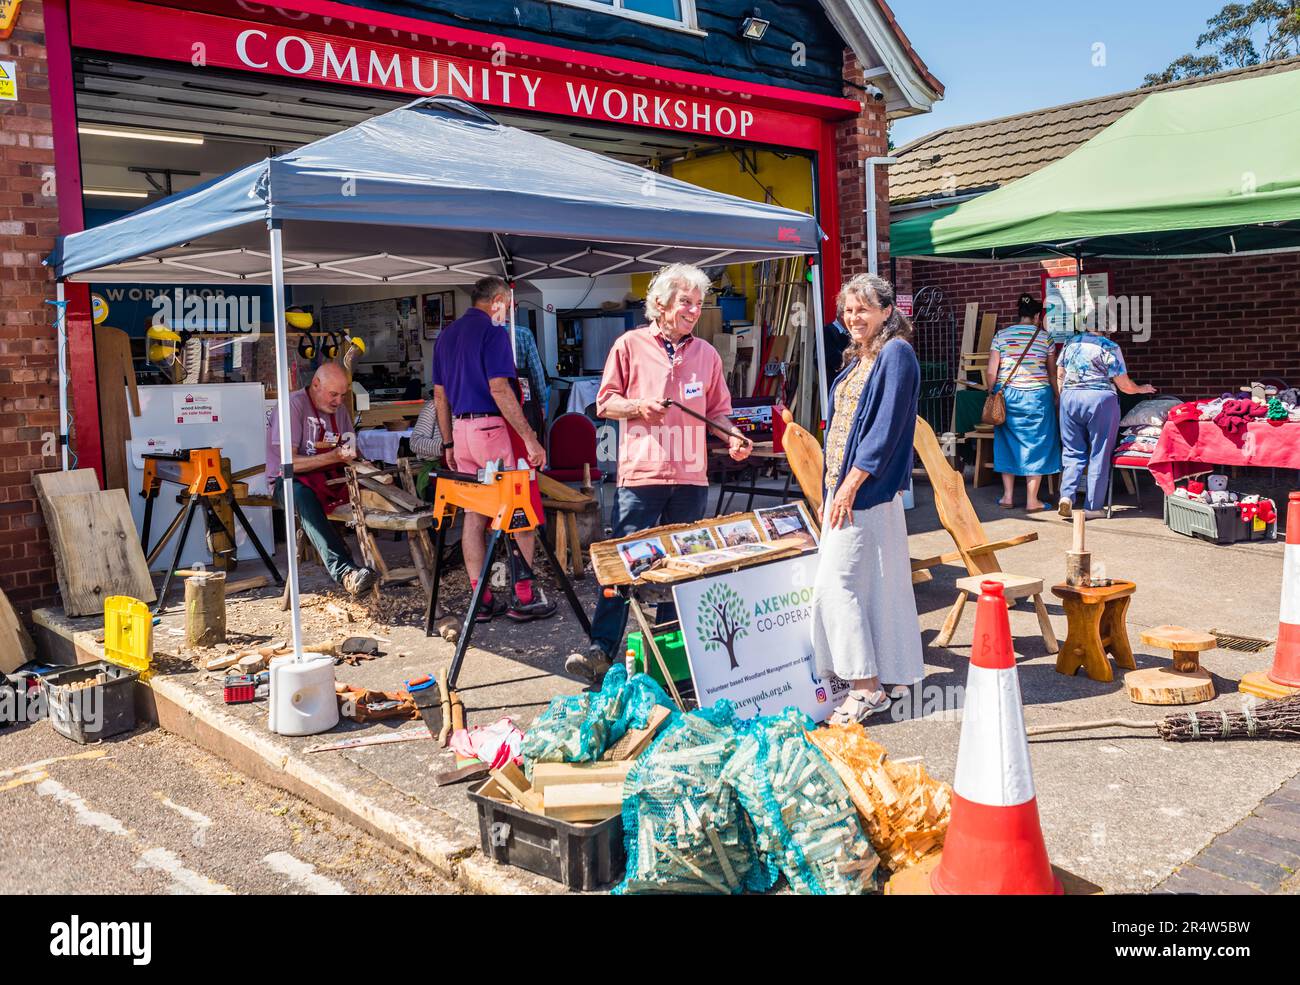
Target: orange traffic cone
<point>994,843</point>
<point>1284,678</point>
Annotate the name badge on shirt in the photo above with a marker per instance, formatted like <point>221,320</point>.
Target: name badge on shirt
<point>693,390</point>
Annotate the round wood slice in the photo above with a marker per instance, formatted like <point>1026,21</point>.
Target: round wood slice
<point>915,880</point>
<point>1256,683</point>
<point>1158,686</point>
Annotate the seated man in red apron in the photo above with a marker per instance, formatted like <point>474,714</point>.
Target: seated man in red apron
<point>323,440</point>
<point>475,391</point>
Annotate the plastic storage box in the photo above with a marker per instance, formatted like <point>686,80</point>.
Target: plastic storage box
<point>1217,524</point>
<point>673,649</point>
<point>583,857</point>
<point>88,714</point>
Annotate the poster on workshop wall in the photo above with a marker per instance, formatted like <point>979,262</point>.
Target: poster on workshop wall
<point>748,637</point>
<point>197,406</point>
<point>1062,308</point>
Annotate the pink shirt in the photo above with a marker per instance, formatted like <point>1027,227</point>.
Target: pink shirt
<point>639,368</point>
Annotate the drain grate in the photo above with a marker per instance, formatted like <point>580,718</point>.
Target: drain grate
<point>1243,644</point>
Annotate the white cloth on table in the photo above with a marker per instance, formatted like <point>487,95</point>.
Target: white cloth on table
<point>864,621</point>
<point>582,394</point>
<point>380,444</point>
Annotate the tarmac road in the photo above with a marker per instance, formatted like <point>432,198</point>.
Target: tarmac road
<point>147,812</point>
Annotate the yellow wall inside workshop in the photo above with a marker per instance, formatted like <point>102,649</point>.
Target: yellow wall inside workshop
<point>789,178</point>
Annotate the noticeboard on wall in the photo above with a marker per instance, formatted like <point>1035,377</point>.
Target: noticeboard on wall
<point>388,327</point>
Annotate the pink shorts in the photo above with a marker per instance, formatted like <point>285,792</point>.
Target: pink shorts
<point>480,440</point>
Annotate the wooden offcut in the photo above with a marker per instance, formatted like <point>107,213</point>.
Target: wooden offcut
<point>547,775</point>
<point>115,376</point>
<point>16,646</point>
<point>805,457</point>
<point>583,801</point>
<point>637,740</point>
<point>96,548</point>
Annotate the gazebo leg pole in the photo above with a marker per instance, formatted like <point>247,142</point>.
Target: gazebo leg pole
<point>61,325</point>
<point>817,323</point>
<point>286,428</point>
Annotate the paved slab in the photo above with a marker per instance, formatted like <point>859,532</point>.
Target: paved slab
<point>1119,808</point>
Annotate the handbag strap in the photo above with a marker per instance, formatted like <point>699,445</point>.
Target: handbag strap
<point>1024,352</point>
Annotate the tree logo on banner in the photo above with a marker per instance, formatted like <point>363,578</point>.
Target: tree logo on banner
<point>724,618</point>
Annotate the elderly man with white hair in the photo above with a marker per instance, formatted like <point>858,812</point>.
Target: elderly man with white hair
<point>323,441</point>
<point>662,452</point>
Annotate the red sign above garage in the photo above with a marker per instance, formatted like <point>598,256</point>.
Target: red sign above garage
<point>422,68</point>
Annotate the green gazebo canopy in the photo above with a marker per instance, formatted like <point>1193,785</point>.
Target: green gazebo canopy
<point>1199,172</point>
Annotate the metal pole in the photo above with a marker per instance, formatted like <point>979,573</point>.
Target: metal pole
<point>286,430</point>
<point>818,328</point>
<point>873,240</point>
<point>514,345</point>
<point>61,325</point>
<point>1078,289</point>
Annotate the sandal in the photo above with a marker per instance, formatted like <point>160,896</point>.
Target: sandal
<point>859,706</point>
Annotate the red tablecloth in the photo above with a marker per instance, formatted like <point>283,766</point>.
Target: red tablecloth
<point>1192,447</point>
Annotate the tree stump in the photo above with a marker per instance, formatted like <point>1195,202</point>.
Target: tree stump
<point>205,609</point>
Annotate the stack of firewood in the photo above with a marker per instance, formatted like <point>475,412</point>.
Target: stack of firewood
<point>904,810</point>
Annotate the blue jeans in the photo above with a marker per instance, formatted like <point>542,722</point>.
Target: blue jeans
<point>334,553</point>
<point>1089,425</point>
<point>639,508</point>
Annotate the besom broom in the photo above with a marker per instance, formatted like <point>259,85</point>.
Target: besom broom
<point>1278,719</point>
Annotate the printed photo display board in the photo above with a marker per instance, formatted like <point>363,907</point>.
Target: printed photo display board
<point>748,638</point>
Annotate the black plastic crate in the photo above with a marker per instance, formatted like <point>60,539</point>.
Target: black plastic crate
<point>583,857</point>
<point>91,713</point>
<point>1218,524</point>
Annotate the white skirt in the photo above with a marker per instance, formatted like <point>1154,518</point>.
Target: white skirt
<point>864,620</point>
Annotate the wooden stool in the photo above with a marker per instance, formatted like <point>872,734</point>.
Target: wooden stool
<point>1096,628</point>
<point>982,471</point>
<point>1013,587</point>
<point>1183,684</point>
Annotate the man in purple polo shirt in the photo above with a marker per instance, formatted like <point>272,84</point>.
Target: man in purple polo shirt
<point>473,389</point>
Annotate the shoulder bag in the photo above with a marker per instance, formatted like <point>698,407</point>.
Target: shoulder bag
<point>995,404</point>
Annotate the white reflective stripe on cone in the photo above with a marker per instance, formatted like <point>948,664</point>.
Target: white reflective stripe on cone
<point>993,759</point>
<point>1290,610</point>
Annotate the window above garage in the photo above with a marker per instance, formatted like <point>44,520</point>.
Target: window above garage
<point>678,15</point>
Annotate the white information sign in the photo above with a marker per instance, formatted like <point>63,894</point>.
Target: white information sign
<point>748,637</point>
<point>197,406</point>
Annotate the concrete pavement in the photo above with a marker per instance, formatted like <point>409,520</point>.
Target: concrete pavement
<point>1120,809</point>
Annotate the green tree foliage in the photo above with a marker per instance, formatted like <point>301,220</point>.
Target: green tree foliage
<point>1239,35</point>
<point>724,619</point>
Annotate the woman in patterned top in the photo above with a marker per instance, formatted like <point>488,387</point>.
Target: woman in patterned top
<point>865,629</point>
<point>1027,443</point>
<point>1088,371</point>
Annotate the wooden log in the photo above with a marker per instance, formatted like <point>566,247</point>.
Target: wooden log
<point>1078,568</point>
<point>205,609</point>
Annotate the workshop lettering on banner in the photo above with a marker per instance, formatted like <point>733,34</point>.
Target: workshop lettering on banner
<point>748,637</point>
<point>422,66</point>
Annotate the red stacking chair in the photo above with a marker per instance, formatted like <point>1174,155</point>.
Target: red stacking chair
<point>571,444</point>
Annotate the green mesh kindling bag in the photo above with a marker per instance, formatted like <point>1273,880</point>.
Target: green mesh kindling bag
<point>804,820</point>
<point>578,728</point>
<point>682,826</point>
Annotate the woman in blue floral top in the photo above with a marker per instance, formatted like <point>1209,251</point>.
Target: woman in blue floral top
<point>1089,370</point>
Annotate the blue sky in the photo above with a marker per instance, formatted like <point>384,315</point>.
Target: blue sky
<point>1000,57</point>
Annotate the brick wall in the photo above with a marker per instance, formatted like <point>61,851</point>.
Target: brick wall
<point>856,140</point>
<point>1216,323</point>
<point>29,396</point>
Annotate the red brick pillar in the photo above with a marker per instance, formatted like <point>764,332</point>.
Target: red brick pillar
<point>29,387</point>
<point>856,140</point>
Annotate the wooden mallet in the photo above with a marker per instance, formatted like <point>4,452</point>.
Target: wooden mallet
<point>1078,561</point>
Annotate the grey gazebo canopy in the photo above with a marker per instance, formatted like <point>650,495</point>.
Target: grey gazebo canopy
<point>435,192</point>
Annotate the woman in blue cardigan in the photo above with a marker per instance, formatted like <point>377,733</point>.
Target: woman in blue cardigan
<point>865,627</point>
